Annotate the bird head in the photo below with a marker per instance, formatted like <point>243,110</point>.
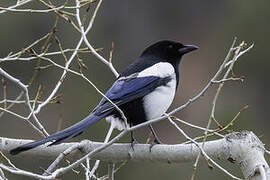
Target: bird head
<point>168,50</point>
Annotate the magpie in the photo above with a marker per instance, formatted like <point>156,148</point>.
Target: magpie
<point>143,91</point>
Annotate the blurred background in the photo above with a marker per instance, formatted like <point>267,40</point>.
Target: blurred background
<point>132,26</point>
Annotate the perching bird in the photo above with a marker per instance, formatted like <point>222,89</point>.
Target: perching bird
<point>144,91</point>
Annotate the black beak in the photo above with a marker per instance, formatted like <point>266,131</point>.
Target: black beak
<point>187,49</point>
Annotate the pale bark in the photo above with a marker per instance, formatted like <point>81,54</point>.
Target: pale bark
<point>241,148</point>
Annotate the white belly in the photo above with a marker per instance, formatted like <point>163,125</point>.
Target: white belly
<point>157,102</point>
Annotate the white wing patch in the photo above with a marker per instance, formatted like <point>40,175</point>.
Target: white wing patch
<point>162,69</point>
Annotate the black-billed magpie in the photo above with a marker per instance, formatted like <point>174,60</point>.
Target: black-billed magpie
<point>144,91</point>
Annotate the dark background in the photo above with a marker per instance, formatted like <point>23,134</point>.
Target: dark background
<point>133,25</point>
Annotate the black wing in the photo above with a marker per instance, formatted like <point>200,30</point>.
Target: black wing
<point>127,89</point>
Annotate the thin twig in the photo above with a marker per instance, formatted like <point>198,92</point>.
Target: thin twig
<point>201,149</point>
<point>111,167</point>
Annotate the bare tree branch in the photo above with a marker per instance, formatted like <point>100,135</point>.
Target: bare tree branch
<point>241,148</point>
<point>244,149</point>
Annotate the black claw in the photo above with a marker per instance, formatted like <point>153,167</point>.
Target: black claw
<point>133,141</point>
<point>157,141</point>
<point>132,144</point>
<point>153,143</point>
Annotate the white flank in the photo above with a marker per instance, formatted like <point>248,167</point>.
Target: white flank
<point>157,102</point>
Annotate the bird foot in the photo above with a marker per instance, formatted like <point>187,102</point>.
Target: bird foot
<point>155,142</point>
<point>132,144</point>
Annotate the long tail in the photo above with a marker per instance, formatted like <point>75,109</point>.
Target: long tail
<point>61,136</point>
